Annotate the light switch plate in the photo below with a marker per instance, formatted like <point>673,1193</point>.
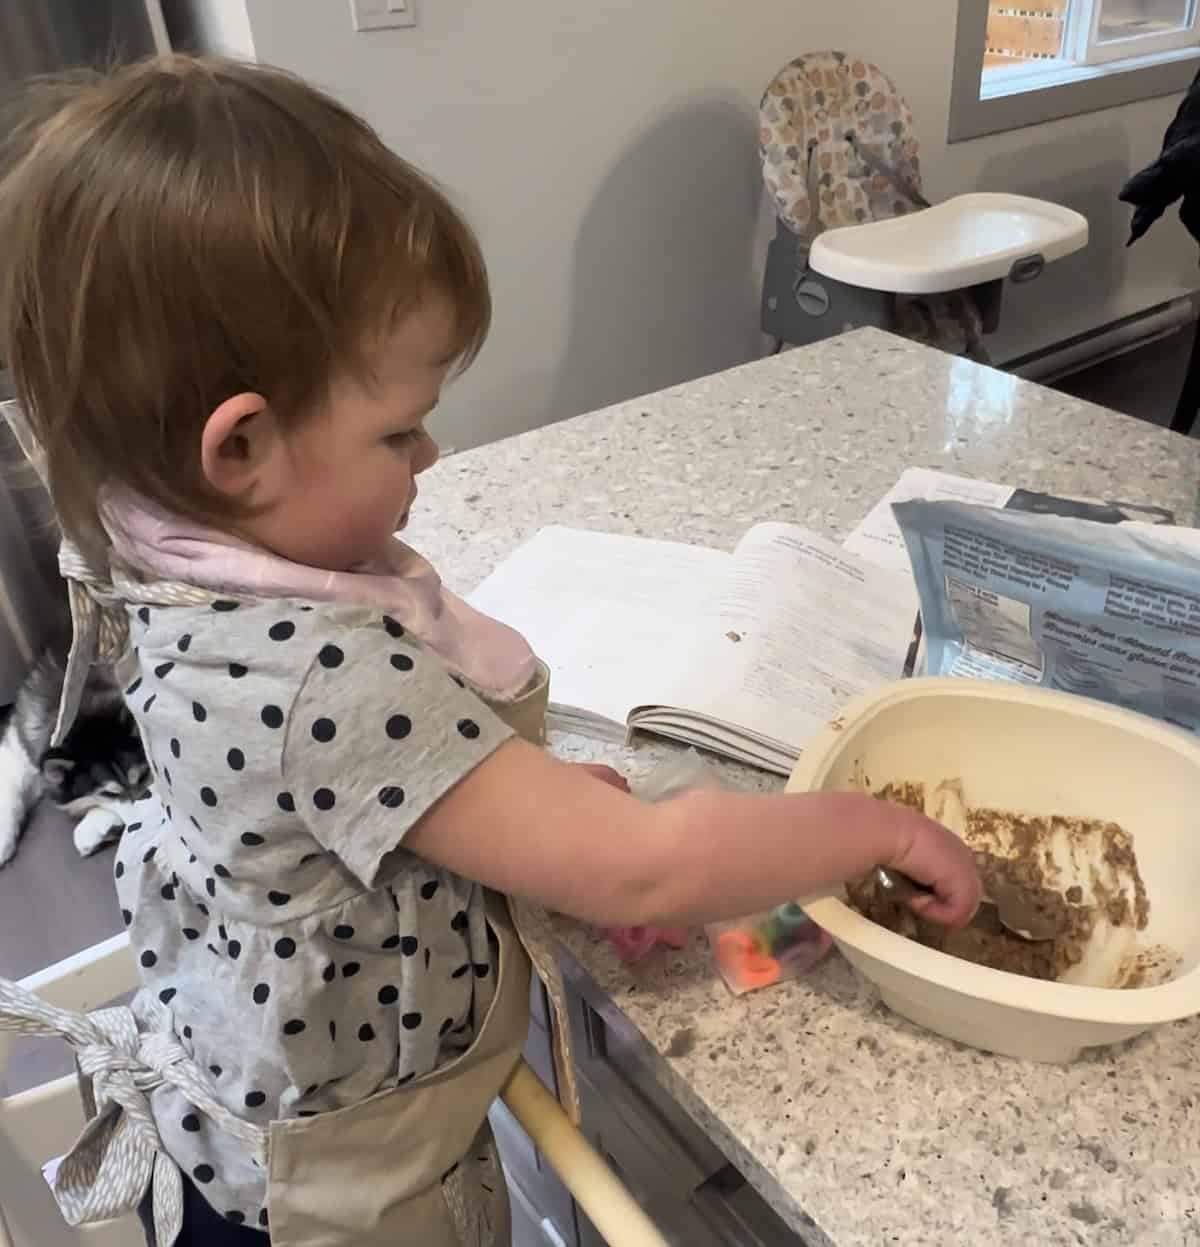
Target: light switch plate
<point>382,14</point>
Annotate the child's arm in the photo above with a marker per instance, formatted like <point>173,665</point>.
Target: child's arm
<point>525,824</point>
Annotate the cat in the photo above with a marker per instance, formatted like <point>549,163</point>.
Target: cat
<point>96,775</point>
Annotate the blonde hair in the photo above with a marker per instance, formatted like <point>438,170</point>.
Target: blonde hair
<point>186,229</point>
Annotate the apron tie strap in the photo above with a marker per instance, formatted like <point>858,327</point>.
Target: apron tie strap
<point>127,1052</point>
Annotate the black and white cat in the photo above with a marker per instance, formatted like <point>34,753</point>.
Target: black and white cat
<point>96,775</point>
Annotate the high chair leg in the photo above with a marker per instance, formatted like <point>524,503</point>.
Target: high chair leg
<point>596,1189</point>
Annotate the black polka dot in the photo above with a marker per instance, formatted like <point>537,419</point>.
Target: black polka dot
<point>398,726</point>
<point>126,917</point>
<point>133,827</point>
<point>410,1021</point>
<point>235,949</point>
<point>429,890</point>
<point>210,886</point>
<point>393,628</point>
<point>198,712</point>
<point>460,921</point>
<point>184,643</point>
<point>294,1027</point>
<point>391,797</point>
<point>279,898</point>
<point>402,662</point>
<point>224,604</point>
<point>167,777</point>
<point>446,1027</point>
<point>133,688</point>
<point>388,995</point>
<point>468,728</point>
<point>251,839</point>
<point>208,796</point>
<point>350,969</point>
<point>212,948</point>
<point>119,870</point>
<point>237,670</point>
<point>366,1032</point>
<point>343,932</point>
<point>482,970</point>
<point>329,973</point>
<point>144,614</point>
<point>167,892</point>
<point>202,908</point>
<point>324,730</point>
<point>409,945</point>
<point>221,931</point>
<point>427,958</point>
<point>333,1030</point>
<point>261,994</point>
<point>286,802</point>
<point>331,656</point>
<point>163,669</point>
<point>324,799</point>
<point>215,1071</point>
<point>191,1123</point>
<point>264,1218</point>
<point>236,759</point>
<point>392,941</point>
<point>255,1099</point>
<point>272,716</point>
<point>149,702</point>
<point>462,971</point>
<point>149,959</point>
<point>175,750</point>
<point>220,871</point>
<point>192,820</point>
<point>187,1032</point>
<point>236,1217</point>
<point>167,995</point>
<point>282,631</point>
<point>190,933</point>
<point>204,1173</point>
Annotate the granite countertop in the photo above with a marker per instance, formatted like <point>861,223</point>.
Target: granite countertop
<point>858,1128</point>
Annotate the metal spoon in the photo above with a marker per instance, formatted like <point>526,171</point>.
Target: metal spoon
<point>1010,906</point>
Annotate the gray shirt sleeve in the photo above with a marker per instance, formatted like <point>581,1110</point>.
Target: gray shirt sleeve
<point>378,733</point>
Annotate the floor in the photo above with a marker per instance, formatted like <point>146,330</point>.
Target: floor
<point>1144,383</point>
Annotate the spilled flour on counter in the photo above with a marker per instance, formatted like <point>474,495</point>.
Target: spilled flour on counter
<point>1080,873</point>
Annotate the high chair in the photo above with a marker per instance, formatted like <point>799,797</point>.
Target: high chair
<point>39,1125</point>
<point>856,241</point>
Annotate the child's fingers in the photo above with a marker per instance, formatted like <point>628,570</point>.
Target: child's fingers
<point>606,775</point>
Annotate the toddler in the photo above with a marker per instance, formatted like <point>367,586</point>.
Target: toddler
<point>229,311</point>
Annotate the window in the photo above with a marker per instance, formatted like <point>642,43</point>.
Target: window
<point>1019,62</point>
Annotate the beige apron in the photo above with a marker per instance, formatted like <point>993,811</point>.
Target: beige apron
<point>411,1165</point>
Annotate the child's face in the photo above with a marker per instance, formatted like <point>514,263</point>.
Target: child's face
<point>347,477</point>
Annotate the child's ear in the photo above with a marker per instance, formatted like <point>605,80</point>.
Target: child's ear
<point>240,445</point>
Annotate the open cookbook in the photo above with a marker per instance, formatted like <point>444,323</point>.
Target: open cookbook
<point>746,654</point>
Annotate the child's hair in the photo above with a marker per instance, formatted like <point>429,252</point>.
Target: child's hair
<point>182,230</point>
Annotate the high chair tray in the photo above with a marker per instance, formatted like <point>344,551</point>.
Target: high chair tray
<point>961,242</point>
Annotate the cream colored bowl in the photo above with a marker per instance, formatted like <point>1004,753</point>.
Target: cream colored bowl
<point>1033,752</point>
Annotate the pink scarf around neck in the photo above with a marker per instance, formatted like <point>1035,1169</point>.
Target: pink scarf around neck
<point>152,542</point>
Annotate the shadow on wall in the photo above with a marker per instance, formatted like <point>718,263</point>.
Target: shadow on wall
<point>662,287</point>
<point>1090,275</point>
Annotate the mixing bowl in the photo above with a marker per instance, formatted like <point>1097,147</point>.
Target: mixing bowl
<point>1036,753</point>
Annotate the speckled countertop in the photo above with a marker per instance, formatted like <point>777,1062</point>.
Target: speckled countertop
<point>857,1127</point>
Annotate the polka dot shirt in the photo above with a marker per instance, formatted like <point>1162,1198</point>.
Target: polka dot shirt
<point>308,959</point>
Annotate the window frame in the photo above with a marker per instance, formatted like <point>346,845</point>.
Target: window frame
<point>1023,97</point>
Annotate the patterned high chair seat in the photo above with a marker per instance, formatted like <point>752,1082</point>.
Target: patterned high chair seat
<point>837,145</point>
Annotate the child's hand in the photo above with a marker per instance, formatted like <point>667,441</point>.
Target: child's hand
<point>931,855</point>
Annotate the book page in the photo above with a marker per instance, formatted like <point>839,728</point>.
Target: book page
<point>877,539</point>
<point>609,615</point>
<point>799,628</point>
